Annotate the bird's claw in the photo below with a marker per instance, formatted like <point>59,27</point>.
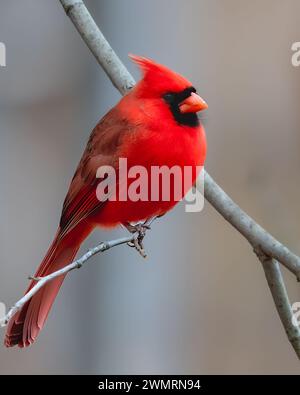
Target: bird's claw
<point>140,232</point>
<point>139,228</point>
<point>33,278</point>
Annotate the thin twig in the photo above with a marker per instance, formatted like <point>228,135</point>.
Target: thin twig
<point>77,264</point>
<point>134,240</point>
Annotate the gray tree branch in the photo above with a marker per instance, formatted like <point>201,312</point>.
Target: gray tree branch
<point>77,264</point>
<point>276,284</point>
<point>97,43</point>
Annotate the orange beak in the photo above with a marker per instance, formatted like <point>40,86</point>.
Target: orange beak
<point>193,103</point>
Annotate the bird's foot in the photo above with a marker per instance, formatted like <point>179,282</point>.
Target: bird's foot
<point>33,278</point>
<point>139,230</point>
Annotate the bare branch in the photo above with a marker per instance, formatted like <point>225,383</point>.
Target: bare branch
<point>281,298</point>
<point>135,240</point>
<point>253,232</point>
<point>77,264</point>
<point>97,43</point>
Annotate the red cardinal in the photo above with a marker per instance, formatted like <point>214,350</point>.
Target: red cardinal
<point>155,124</point>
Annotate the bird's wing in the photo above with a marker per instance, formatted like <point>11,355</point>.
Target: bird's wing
<point>101,150</point>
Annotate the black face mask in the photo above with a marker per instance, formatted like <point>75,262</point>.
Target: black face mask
<point>174,99</point>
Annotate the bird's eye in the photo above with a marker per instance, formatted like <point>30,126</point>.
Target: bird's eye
<point>174,98</point>
<point>169,97</point>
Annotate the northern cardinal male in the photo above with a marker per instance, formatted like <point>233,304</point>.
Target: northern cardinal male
<point>155,124</point>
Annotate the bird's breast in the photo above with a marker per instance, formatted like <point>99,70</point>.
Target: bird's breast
<point>158,167</point>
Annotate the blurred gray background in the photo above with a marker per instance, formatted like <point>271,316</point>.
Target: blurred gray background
<point>200,303</point>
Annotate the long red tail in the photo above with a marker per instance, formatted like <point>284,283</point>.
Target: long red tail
<point>25,326</point>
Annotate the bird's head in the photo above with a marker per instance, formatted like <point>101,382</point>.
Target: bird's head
<point>171,88</point>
